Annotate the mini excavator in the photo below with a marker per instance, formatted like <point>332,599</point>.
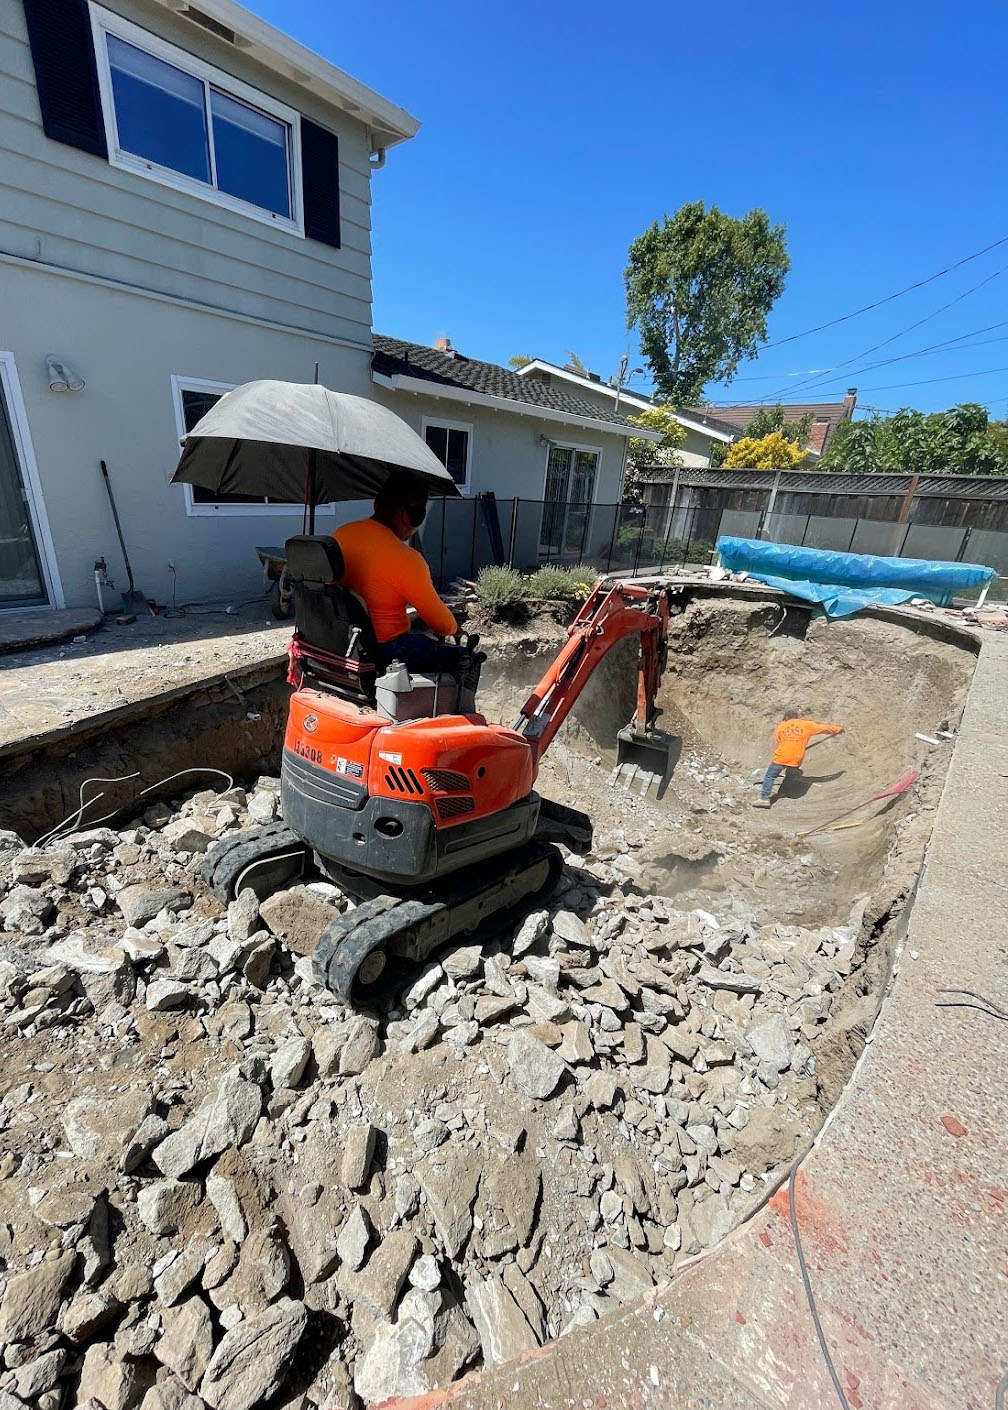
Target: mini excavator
<point>398,791</point>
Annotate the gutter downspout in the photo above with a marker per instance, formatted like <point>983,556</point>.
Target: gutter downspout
<point>377,159</point>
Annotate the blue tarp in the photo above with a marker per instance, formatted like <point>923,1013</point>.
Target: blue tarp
<point>843,583</point>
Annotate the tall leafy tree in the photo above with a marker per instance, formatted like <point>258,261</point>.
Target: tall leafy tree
<point>647,457</point>
<point>771,418</point>
<point>699,288</point>
<point>960,441</point>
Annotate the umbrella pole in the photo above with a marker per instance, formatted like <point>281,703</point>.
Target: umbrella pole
<point>311,491</point>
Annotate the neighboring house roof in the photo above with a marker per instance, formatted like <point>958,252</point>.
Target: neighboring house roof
<point>447,373</point>
<point>236,27</point>
<point>826,416</point>
<point>704,426</point>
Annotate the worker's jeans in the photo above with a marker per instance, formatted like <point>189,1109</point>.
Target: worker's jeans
<point>770,777</point>
<point>419,652</point>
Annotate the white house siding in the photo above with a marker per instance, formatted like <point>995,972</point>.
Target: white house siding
<point>72,210</point>
<point>132,282</point>
<point>509,459</point>
<point>127,346</point>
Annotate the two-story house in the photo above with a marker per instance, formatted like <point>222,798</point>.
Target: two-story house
<point>184,205</point>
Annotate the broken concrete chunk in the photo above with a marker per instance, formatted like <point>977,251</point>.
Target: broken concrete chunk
<point>164,1205</point>
<point>243,915</point>
<point>358,1151</point>
<point>140,904</point>
<point>226,1118</point>
<point>186,1343</point>
<point>297,917</point>
<point>112,1381</point>
<point>449,1178</point>
<point>771,1042</point>
<point>354,1237</point>
<point>252,1361</point>
<point>165,994</point>
<point>381,1280</point>
<point>535,1069</point>
<point>503,1329</point>
<point>289,1062</point>
<point>100,1125</point>
<point>224,1198</point>
<point>727,979</point>
<point>572,929</point>
<point>32,1299</point>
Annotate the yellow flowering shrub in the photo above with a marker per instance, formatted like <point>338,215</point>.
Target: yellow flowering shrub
<point>771,452</point>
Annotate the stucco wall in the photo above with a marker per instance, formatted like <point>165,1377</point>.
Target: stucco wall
<point>74,210</point>
<point>126,346</point>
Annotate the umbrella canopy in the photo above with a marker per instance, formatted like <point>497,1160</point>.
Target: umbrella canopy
<point>303,444</point>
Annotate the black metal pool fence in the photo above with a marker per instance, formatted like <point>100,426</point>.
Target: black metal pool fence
<point>461,536</point>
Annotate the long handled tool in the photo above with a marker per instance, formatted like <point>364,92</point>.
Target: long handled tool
<point>892,790</point>
<point>132,599</point>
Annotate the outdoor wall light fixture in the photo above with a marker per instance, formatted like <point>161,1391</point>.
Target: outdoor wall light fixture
<point>544,440</point>
<point>61,377</point>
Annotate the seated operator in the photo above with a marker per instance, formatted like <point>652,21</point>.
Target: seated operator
<point>390,576</point>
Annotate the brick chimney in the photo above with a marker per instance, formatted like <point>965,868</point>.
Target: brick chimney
<point>849,403</point>
<point>443,344</point>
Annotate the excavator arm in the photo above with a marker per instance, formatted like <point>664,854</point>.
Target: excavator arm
<point>609,615</point>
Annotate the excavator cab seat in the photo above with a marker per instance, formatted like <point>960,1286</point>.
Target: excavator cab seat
<point>334,640</point>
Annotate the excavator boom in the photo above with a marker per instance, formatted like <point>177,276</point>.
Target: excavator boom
<point>609,615</point>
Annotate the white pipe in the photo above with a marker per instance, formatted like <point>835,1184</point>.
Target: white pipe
<point>98,587</point>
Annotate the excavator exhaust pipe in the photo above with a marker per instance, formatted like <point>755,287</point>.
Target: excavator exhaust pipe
<point>643,758</point>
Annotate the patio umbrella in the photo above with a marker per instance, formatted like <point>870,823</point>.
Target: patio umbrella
<point>303,443</point>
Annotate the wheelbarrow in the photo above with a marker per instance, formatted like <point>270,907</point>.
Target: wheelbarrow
<point>276,582</point>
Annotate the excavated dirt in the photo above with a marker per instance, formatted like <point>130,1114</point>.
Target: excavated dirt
<point>218,1187</point>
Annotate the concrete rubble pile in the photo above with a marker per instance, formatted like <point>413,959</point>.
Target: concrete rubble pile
<point>219,1187</point>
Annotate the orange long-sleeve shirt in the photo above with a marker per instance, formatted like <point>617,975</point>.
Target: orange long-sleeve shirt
<point>390,576</point>
<point>791,739</point>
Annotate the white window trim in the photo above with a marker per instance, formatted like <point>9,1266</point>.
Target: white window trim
<point>194,510</point>
<point>24,451</point>
<point>104,22</point>
<point>467,426</point>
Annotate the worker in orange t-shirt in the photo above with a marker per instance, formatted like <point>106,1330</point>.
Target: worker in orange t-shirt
<point>389,576</point>
<point>791,739</point>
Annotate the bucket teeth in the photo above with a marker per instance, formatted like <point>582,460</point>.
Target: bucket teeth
<point>642,759</point>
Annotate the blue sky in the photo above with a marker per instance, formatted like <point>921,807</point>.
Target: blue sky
<point>553,135</point>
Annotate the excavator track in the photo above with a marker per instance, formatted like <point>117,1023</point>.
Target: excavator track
<point>353,949</point>
<point>265,859</point>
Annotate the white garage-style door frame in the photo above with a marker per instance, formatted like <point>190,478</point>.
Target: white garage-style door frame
<point>10,390</point>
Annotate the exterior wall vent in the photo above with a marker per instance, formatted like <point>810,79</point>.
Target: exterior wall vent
<point>208,22</point>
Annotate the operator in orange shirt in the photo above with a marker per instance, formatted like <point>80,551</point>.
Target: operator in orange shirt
<point>381,568</point>
<point>791,739</point>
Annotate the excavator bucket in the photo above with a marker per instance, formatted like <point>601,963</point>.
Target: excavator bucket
<point>643,758</point>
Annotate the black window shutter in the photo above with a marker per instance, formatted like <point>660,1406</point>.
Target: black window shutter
<point>62,47</point>
<point>320,183</point>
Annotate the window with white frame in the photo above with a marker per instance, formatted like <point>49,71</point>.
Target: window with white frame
<point>451,442</point>
<point>193,399</point>
<point>178,120</point>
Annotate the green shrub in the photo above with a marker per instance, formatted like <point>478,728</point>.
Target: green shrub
<point>501,587</point>
<point>561,584</point>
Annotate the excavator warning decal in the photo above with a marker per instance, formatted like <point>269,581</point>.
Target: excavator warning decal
<point>350,767</point>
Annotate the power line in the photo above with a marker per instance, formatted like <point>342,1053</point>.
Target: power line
<point>856,357</point>
<point>845,318</point>
<point>928,381</point>
<point>956,344</point>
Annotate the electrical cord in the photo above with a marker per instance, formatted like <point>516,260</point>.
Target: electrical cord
<point>982,1004</point>
<point>70,823</point>
<point>810,1296</point>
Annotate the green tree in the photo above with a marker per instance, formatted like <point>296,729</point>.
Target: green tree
<point>645,457</point>
<point>699,289</point>
<point>519,361</point>
<point>771,418</point>
<point>960,441</point>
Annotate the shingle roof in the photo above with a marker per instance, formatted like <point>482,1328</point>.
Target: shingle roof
<point>826,416</point>
<point>393,357</point>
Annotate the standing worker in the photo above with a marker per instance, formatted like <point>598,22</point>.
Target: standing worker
<point>791,739</point>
